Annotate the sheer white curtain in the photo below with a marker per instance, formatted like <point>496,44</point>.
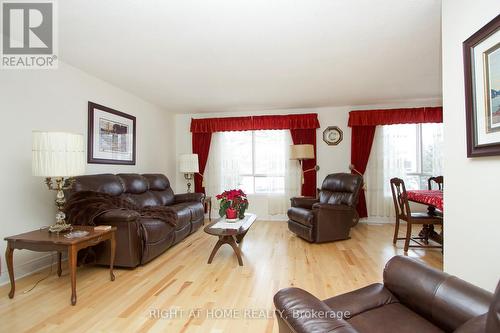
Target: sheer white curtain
<point>278,203</point>
<point>256,162</point>
<point>410,152</point>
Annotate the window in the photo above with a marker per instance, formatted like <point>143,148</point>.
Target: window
<point>418,147</point>
<point>412,152</point>
<point>254,160</point>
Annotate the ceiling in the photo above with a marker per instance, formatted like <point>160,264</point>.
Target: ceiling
<point>232,55</point>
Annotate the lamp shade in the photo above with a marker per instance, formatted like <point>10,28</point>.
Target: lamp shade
<point>188,163</point>
<point>57,154</point>
<point>301,152</point>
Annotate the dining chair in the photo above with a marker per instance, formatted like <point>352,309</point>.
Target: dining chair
<point>403,212</point>
<point>439,180</point>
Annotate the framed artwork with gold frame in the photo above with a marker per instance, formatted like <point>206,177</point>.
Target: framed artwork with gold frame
<point>482,90</point>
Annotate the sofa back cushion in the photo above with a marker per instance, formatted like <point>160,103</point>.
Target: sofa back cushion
<point>159,186</point>
<point>447,301</point>
<point>133,183</point>
<point>341,189</point>
<point>104,183</point>
<point>141,190</point>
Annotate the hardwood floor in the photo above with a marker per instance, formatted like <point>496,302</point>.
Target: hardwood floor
<point>181,279</point>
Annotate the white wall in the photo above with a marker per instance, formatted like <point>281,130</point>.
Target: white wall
<point>57,100</point>
<point>330,158</point>
<point>472,223</point>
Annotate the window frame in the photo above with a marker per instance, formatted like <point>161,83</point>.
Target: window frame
<point>260,175</point>
<point>419,155</point>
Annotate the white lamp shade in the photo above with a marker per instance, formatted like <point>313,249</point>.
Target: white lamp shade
<point>301,152</point>
<point>188,163</point>
<point>57,154</point>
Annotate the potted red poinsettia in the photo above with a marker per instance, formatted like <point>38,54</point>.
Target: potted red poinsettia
<point>233,204</point>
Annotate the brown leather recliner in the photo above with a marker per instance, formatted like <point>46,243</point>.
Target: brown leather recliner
<point>413,298</point>
<point>139,239</point>
<point>331,216</point>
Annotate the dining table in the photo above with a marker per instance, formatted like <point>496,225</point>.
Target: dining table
<point>433,199</point>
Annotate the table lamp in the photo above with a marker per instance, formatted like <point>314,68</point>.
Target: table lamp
<point>188,165</point>
<point>58,156</point>
<point>300,153</point>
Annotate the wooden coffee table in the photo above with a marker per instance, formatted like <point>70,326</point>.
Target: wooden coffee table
<point>229,235</point>
<point>43,241</point>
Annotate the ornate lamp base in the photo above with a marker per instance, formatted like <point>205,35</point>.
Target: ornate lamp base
<point>60,227</point>
<point>189,178</point>
<point>59,184</point>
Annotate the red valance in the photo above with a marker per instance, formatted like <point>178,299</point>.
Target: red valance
<point>210,125</point>
<point>396,116</point>
<point>291,121</point>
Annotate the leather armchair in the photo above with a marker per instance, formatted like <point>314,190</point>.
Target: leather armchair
<point>412,298</point>
<point>330,216</point>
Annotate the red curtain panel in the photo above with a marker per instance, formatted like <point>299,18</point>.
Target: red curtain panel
<point>201,146</point>
<point>307,136</point>
<point>361,145</point>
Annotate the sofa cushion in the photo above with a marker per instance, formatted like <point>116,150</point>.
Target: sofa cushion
<point>301,215</point>
<point>361,300</point>
<point>183,215</point>
<point>105,183</point>
<point>197,210</point>
<point>143,199</point>
<point>393,317</point>
<point>156,181</point>
<point>165,197</point>
<point>133,183</point>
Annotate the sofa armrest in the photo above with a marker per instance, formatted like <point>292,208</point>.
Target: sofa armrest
<point>128,238</point>
<point>189,197</point>
<point>303,202</point>
<point>437,296</point>
<point>302,312</point>
<point>117,215</point>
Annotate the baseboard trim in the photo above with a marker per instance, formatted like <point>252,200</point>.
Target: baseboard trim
<point>29,267</point>
<point>377,219</point>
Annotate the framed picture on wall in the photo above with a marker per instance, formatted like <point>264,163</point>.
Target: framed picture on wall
<point>111,136</point>
<point>482,90</point>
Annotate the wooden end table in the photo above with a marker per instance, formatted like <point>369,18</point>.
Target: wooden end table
<point>229,235</point>
<point>43,241</point>
<point>208,203</point>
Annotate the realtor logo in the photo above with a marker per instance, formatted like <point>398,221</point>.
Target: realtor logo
<point>28,35</point>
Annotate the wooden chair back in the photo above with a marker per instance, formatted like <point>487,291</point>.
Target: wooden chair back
<point>439,180</point>
<point>400,198</point>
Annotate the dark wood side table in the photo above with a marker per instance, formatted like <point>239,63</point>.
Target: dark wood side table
<point>43,241</point>
<point>208,203</point>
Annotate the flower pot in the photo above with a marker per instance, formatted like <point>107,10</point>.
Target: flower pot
<point>231,213</point>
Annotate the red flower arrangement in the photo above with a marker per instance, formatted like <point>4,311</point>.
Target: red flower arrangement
<point>233,203</point>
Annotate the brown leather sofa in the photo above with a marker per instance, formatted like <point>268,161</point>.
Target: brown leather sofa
<point>139,239</point>
<point>413,298</point>
<point>331,216</point>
